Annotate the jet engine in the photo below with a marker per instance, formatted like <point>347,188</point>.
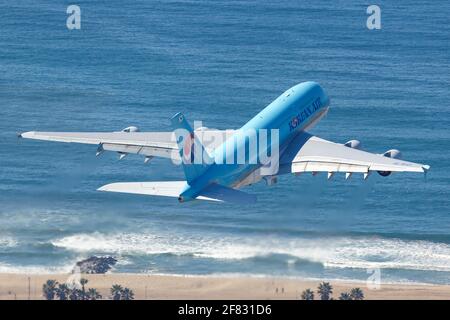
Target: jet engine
<point>271,180</point>
<point>393,153</point>
<point>131,129</point>
<point>354,144</point>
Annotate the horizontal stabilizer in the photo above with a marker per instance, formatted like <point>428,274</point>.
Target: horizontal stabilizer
<point>213,192</point>
<point>226,194</point>
<point>156,188</point>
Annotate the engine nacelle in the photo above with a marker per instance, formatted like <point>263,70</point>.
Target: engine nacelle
<point>131,129</point>
<point>393,153</point>
<point>354,144</point>
<point>271,180</point>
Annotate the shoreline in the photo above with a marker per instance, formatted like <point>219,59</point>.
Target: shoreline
<point>192,287</point>
<point>293,278</point>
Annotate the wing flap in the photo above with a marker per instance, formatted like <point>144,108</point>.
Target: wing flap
<point>146,151</point>
<point>321,166</point>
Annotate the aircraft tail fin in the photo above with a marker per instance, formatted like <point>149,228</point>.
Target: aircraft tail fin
<point>195,159</point>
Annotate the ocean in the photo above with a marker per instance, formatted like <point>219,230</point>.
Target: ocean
<point>140,62</point>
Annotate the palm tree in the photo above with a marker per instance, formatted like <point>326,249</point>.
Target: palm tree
<point>127,294</point>
<point>93,294</point>
<point>357,294</point>
<point>63,291</point>
<point>116,291</point>
<point>75,294</point>
<point>345,296</point>
<point>83,282</point>
<point>49,289</point>
<point>325,291</point>
<point>308,294</point>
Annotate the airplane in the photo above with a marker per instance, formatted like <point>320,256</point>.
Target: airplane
<point>215,178</point>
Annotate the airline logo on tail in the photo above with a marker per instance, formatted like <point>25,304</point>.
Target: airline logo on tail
<point>189,147</point>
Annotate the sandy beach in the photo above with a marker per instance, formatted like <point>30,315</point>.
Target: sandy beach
<point>23,286</point>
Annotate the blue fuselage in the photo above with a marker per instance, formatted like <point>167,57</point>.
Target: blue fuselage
<point>293,111</point>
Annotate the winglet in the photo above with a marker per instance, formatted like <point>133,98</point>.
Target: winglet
<point>425,169</point>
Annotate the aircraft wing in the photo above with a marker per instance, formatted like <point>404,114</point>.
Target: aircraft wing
<point>149,144</point>
<point>159,144</point>
<point>308,153</point>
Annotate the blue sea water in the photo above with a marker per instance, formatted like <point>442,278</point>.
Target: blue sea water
<point>139,62</point>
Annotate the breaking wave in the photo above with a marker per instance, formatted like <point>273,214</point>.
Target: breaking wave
<point>35,269</point>
<point>331,252</point>
<point>7,242</point>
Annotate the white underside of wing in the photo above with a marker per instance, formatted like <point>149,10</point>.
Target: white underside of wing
<point>308,153</point>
